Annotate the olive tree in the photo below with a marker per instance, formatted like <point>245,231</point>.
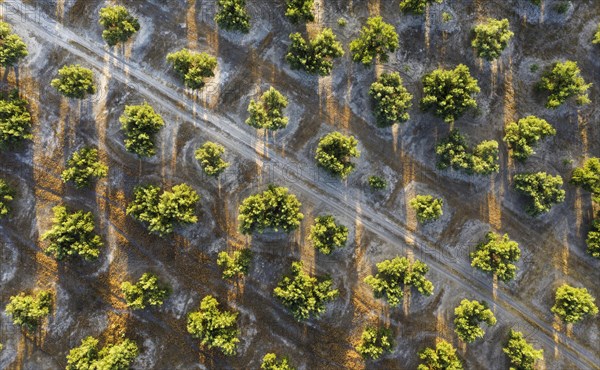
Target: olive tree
<point>12,47</point>
<point>140,123</point>
<point>497,254</point>
<point>588,177</point>
<point>327,235</point>
<point>118,24</point>
<point>7,194</point>
<point>335,152</point>
<point>468,316</point>
<point>394,275</point>
<point>267,112</point>
<point>377,182</point>
<point>74,81</point>
<point>83,167</point>
<point>454,153</point>
<point>522,355</point>
<point>442,357</point>
<point>88,356</point>
<point>391,99</point>
<point>72,235</point>
<point>316,54</point>
<point>214,328</point>
<point>562,81</point>
<point>15,119</point>
<point>233,16</point>
<point>416,6</point>
<point>491,38</point>
<point>593,238</point>
<point>147,291</point>
<point>236,263</point>
<point>522,135</point>
<point>274,208</point>
<point>28,310</point>
<point>376,40</point>
<point>374,342</point>
<point>597,36</point>
<point>163,211</point>
<point>210,156</point>
<point>304,295</point>
<point>543,190</point>
<point>449,92</point>
<point>300,11</point>
<point>193,67</point>
<point>270,362</point>
<point>427,207</point>
<point>573,304</point>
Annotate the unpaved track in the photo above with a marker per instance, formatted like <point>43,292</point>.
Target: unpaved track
<point>227,132</point>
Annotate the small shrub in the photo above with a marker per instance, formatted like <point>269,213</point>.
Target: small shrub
<point>377,182</point>
<point>140,123</point>
<point>326,235</point>
<point>28,311</point>
<point>233,16</point>
<point>270,362</point>
<point>314,55</point>
<point>147,291</point>
<point>562,81</point>
<point>7,194</point>
<point>334,153</point>
<point>491,38</point>
<point>12,47</point>
<point>447,17</point>
<point>192,67</point>
<point>596,39</point>
<point>427,207</point>
<point>574,304</point>
<point>267,113</point>
<point>543,189</point>
<point>468,316</point>
<point>83,167</point>
<point>304,295</point>
<point>236,263</point>
<point>74,81</point>
<point>342,22</point>
<point>374,342</point>
<point>416,6</point>
<point>300,11</point>
<point>525,133</point>
<point>214,328</point>
<point>274,208</point>
<point>118,24</point>
<point>210,156</point>
<point>391,99</point>
<point>376,40</point>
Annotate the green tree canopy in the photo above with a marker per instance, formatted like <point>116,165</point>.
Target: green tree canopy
<point>376,40</point>
<point>497,254</point>
<point>88,356</point>
<point>416,6</point>
<point>522,355</point>
<point>214,328</point>
<point>588,177</point>
<point>427,207</point>
<point>233,16</point>
<point>442,357</point>
<point>377,182</point>
<point>374,342</point>
<point>28,310</point>
<point>326,235</point>
<point>453,152</point>
<point>573,304</point>
<point>236,263</point>
<point>163,211</point>
<point>597,36</point>
<point>270,362</point>
<point>300,11</point>
<point>83,167</point>
<point>522,135</point>
<point>7,194</point>
<point>544,190</point>
<point>449,92</point>
<point>193,67</point>
<point>316,54</point>
<point>491,38</point>
<point>74,81</point>
<point>593,238</point>
<point>274,208</point>
<point>15,120</point>
<point>267,113</point>
<point>72,235</point>
<point>562,81</point>
<point>140,123</point>
<point>210,156</point>
<point>12,47</point>
<point>147,291</point>
<point>335,152</point>
<point>468,316</point>
<point>303,294</point>
<point>391,99</point>
<point>394,274</point>
<point>118,24</point>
